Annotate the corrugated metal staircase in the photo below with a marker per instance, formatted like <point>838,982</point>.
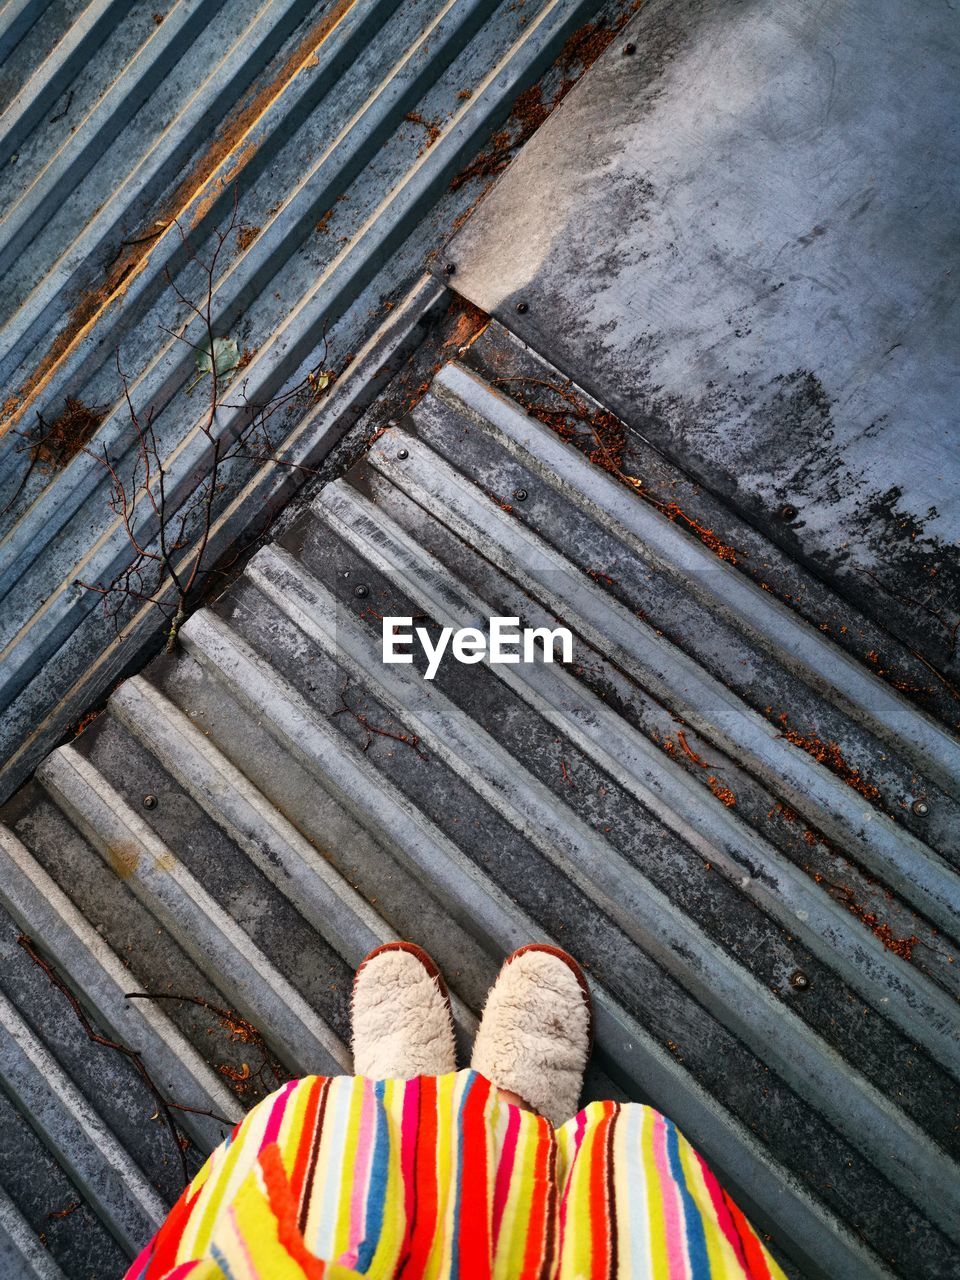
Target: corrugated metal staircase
<point>767,913</point>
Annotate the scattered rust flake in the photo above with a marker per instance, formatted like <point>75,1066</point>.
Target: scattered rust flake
<point>66,1211</point>
<point>900,946</point>
<point>433,129</point>
<point>602,437</point>
<point>689,751</point>
<point>197,189</point>
<point>246,235</point>
<point>829,754</point>
<point>530,109</point>
<point>723,794</point>
<point>86,720</point>
<point>467,328</point>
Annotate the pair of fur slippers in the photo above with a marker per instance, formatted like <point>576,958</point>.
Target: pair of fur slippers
<point>534,1038</point>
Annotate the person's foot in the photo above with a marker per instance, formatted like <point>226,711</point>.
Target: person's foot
<point>536,1032</point>
<point>401,1018</point>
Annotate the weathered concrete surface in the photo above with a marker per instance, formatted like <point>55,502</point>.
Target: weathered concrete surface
<point>743,238</point>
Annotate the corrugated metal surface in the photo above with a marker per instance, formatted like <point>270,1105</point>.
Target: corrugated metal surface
<point>783,986</point>
<point>327,139</point>
<point>755,263</point>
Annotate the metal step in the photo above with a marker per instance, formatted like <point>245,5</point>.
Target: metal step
<point>253,813</point>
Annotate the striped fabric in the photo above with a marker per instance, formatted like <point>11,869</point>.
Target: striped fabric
<point>439,1179</point>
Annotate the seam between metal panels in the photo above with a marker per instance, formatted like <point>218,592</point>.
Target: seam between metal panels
<point>202,928</point>
<point>318,430</point>
<point>290,343</point>
<point>662,786</point>
<point>64,609</point>
<point>812,1069</point>
<point>793,642</point>
<point>919,874</point>
<point>491,917</point>
<point>42,909</point>
<point>95,1161</point>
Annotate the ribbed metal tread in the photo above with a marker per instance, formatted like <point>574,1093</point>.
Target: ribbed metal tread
<point>21,1253</point>
<point>255,812</point>
<point>325,138</point>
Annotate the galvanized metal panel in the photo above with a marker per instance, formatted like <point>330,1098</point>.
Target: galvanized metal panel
<point>741,237</point>
<point>330,137</point>
<point>22,1256</point>
<point>795,1014</point>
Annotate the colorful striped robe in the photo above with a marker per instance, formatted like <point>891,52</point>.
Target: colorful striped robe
<point>438,1178</point>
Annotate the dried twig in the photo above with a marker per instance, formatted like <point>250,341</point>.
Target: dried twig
<point>171,540</point>
<point>371,730</point>
<point>164,1105</point>
<point>237,1026</point>
<point>66,1211</point>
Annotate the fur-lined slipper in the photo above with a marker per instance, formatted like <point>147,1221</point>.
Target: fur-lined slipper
<point>401,1018</point>
<point>537,1031</point>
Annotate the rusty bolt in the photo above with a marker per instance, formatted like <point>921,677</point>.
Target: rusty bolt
<point>788,513</point>
<point>523,308</point>
<point>920,808</point>
<point>361,591</point>
<point>149,802</point>
<point>519,495</point>
<point>403,454</point>
<point>629,50</point>
<point>799,980</point>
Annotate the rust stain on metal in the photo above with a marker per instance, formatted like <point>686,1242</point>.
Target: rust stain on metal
<point>900,946</point>
<point>469,325</point>
<point>124,858</point>
<point>829,754</point>
<point>530,109</point>
<point>230,141</point>
<point>723,793</point>
<point>605,446</point>
<point>246,235</point>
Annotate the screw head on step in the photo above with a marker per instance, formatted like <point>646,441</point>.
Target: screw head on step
<point>799,980</point>
<point>403,454</point>
<point>788,513</point>
<point>523,308</point>
<point>629,50</point>
<point>361,591</point>
<point>450,268</point>
<point>519,495</point>
<point>149,802</point>
<point>920,808</point>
